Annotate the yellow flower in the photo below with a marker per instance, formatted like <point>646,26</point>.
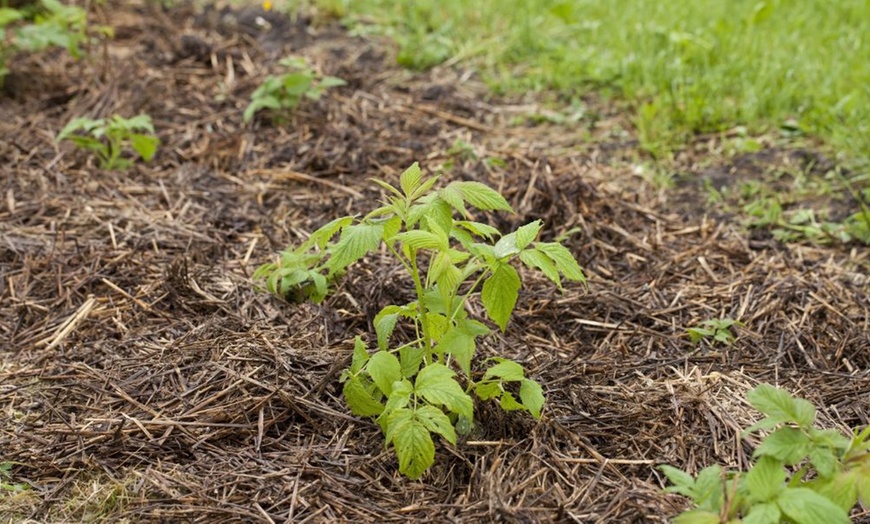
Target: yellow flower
<point>267,5</point>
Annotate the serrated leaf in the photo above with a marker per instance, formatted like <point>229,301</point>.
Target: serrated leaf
<point>824,460</point>
<point>766,479</point>
<point>411,357</point>
<point>805,506</point>
<point>325,233</point>
<point>482,196</point>
<point>779,405</point>
<point>385,322</point>
<point>679,478</point>
<point>359,399</point>
<point>360,356</point>
<point>437,422</point>
<point>536,260</point>
<point>506,246</point>
<point>829,438</point>
<point>453,196</point>
<point>418,239</point>
<point>384,368</point>
<point>765,513</point>
<point>435,211</point>
<point>400,397</point>
<point>790,445</point>
<point>532,396</point>
<point>564,260</point>
<point>863,482</point>
<point>410,179</point>
<point>424,188</point>
<point>479,229</point>
<point>438,326</point>
<point>355,242</point>
<point>506,370</point>
<point>435,383</point>
<point>414,448</point>
<point>708,488</point>
<point>840,488</point>
<point>509,403</point>
<point>387,186</point>
<point>697,516</point>
<point>461,346</point>
<point>488,390</point>
<point>500,292</point>
<point>144,145</point>
<point>528,233</point>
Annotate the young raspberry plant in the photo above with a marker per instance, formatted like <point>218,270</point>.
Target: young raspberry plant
<point>107,138</point>
<point>801,474</point>
<point>424,386</point>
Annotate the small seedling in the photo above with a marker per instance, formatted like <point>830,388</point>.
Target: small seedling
<point>717,329</point>
<point>5,477</point>
<point>801,474</point>
<point>285,92</point>
<point>422,383</point>
<point>107,138</point>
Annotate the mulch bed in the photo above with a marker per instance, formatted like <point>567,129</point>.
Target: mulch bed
<point>143,378</point>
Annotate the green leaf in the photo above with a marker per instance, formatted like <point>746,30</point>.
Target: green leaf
<point>424,188</point>
<point>509,403</point>
<point>461,345</point>
<point>824,460</point>
<point>360,356</point>
<point>697,516</point>
<point>790,445</point>
<point>683,483</point>
<point>766,479</point>
<point>414,446</point>
<point>399,398</point>
<point>437,422</point>
<point>779,405</point>
<point>528,233</point>
<point>564,260</point>
<point>506,246</point>
<point>708,488</point>
<point>532,396</point>
<point>765,513</point>
<point>418,239</point>
<point>144,145</point>
<point>410,179</point>
<point>385,322</point>
<point>479,229</point>
<point>331,81</point>
<point>435,383</point>
<point>534,259</point>
<point>411,357</point>
<point>85,125</point>
<point>355,242</point>
<point>453,196</point>
<point>325,233</point>
<point>482,196</point>
<point>805,506</point>
<point>506,370</point>
<point>9,15</point>
<point>840,488</point>
<point>500,292</point>
<point>488,390</point>
<point>384,369</point>
<point>863,482</point>
<point>359,399</point>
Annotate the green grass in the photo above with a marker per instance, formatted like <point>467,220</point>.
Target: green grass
<point>685,66</point>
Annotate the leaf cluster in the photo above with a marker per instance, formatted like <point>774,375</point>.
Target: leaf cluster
<point>423,386</point>
<point>801,474</point>
<point>285,92</point>
<point>718,330</point>
<point>52,24</point>
<point>106,138</point>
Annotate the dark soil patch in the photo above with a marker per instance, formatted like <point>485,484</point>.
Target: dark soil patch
<point>143,378</point>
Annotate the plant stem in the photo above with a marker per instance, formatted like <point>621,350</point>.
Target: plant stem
<point>424,321</point>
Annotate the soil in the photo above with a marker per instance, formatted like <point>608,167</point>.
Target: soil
<point>144,379</point>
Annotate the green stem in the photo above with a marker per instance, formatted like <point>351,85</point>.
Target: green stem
<point>424,321</point>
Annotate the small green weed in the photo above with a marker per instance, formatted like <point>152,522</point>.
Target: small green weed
<point>717,329</point>
<point>54,25</point>
<point>412,387</point>
<point>801,474</point>
<point>107,138</point>
<point>285,92</point>
<point>5,477</point>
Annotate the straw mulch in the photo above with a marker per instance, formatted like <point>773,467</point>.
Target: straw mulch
<point>144,379</point>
